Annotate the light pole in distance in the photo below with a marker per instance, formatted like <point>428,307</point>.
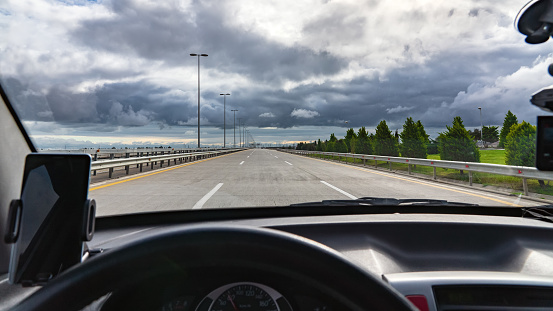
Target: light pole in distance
<point>244,129</point>
<point>225,119</point>
<point>234,110</point>
<point>481,127</point>
<point>239,133</point>
<point>198,55</point>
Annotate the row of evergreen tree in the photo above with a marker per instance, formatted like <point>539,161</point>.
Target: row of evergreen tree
<point>455,144</point>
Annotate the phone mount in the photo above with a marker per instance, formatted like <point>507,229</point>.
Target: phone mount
<point>52,219</point>
<point>14,221</point>
<point>535,21</point>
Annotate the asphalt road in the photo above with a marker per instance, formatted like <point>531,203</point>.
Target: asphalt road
<point>263,177</point>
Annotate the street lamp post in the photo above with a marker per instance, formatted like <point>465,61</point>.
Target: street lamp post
<point>481,127</point>
<point>225,119</point>
<point>198,55</point>
<point>234,127</point>
<point>240,132</point>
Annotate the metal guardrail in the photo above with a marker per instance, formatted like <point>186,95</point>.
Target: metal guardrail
<point>154,159</point>
<point>92,151</point>
<point>101,154</point>
<point>523,172</point>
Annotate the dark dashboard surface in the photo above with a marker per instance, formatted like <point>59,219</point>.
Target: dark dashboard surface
<point>412,252</point>
<point>417,254</point>
<point>399,243</point>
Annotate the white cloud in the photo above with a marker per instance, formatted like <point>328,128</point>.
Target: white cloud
<point>304,113</point>
<point>398,109</point>
<point>267,115</point>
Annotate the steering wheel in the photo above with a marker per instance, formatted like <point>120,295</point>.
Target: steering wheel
<point>217,246</point>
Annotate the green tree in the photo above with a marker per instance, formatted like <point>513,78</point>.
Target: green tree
<point>456,144</point>
<point>341,146</point>
<point>384,142</point>
<point>490,134</point>
<point>413,145</point>
<point>353,145</point>
<point>363,146</point>
<point>350,135</point>
<point>422,132</point>
<point>432,147</point>
<point>319,145</point>
<point>363,142</point>
<point>520,145</point>
<point>362,133</point>
<point>333,138</point>
<point>330,146</point>
<point>475,134</point>
<point>510,120</point>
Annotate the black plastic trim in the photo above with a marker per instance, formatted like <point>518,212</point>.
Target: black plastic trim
<point>194,216</point>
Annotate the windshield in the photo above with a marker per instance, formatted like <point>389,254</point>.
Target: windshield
<point>270,91</point>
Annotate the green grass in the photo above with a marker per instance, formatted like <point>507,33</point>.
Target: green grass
<point>433,156</point>
<point>486,156</point>
<point>492,156</point>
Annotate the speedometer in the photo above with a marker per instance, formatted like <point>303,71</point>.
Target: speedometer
<point>245,296</point>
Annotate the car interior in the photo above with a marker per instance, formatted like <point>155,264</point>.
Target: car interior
<point>312,257</point>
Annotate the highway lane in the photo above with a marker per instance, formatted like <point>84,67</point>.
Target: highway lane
<point>261,177</point>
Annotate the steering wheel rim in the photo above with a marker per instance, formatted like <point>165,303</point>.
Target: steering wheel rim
<point>205,246</point>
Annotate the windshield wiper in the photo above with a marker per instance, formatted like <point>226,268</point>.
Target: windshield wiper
<point>374,201</point>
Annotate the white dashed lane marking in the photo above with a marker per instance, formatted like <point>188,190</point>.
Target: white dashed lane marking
<point>206,197</point>
<point>340,190</point>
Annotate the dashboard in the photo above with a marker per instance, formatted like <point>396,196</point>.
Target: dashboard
<point>221,292</point>
<point>439,262</point>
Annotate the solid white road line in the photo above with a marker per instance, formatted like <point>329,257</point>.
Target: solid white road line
<point>288,163</point>
<point>241,163</point>
<point>206,197</point>
<point>340,190</point>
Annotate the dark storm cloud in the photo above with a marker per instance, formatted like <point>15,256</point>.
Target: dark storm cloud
<point>30,105</point>
<point>170,35</point>
<point>412,90</point>
<point>126,104</point>
<point>314,84</point>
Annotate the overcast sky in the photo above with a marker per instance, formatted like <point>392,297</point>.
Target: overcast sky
<point>89,73</point>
